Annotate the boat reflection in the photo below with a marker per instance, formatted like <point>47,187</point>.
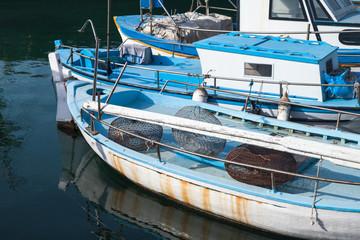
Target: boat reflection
<point>104,189</point>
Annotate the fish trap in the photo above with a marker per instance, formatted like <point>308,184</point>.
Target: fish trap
<point>198,143</point>
<point>143,129</point>
<point>260,157</point>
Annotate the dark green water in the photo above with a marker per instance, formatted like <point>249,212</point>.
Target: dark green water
<point>52,185</point>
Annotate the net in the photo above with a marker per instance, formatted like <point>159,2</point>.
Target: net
<point>147,130</point>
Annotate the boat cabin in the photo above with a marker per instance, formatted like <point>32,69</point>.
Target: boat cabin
<point>267,59</point>
<point>296,15</point>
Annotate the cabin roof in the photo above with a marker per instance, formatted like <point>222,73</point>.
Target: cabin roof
<point>269,47</point>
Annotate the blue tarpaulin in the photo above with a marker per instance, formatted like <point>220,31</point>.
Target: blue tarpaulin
<point>337,91</point>
<point>155,3</point>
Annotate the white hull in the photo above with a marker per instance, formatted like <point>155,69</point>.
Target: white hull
<point>278,217</point>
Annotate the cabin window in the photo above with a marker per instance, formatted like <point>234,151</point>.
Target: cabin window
<point>350,38</point>
<point>319,11</point>
<point>334,5</point>
<point>346,2</point>
<point>329,66</point>
<point>287,10</point>
<point>260,70</point>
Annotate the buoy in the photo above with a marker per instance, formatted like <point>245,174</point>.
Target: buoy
<point>200,95</point>
<point>284,109</point>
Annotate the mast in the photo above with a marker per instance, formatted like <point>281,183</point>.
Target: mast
<point>238,15</point>
<point>108,39</point>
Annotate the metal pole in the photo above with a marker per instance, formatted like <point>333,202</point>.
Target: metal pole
<point>308,32</point>
<point>99,108</point>
<point>97,42</point>
<point>141,14</point>
<point>338,121</point>
<point>272,180</point>
<point>116,83</point>
<point>108,39</point>
<point>158,78</point>
<point>238,16</point>
<point>207,7</point>
<point>151,8</point>
<point>315,192</point>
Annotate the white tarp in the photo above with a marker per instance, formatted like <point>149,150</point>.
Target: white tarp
<point>164,27</point>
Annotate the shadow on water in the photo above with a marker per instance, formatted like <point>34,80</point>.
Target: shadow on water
<point>149,216</point>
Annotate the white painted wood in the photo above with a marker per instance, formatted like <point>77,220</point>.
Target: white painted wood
<point>63,115</point>
<point>336,153</point>
<point>56,67</point>
<point>231,65</point>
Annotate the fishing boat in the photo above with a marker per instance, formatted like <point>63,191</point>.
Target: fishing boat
<point>236,71</point>
<point>238,166</point>
<point>333,21</point>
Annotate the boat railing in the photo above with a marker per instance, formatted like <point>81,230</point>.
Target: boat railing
<point>216,89</point>
<point>249,96</point>
<point>272,171</point>
<point>208,7</point>
<point>214,77</point>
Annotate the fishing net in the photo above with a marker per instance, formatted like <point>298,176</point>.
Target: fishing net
<point>261,157</point>
<point>194,142</point>
<point>143,129</point>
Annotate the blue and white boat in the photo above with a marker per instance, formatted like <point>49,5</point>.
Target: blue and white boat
<point>204,157</point>
<point>331,21</point>
<point>236,69</point>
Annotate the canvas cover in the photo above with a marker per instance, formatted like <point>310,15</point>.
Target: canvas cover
<point>164,27</point>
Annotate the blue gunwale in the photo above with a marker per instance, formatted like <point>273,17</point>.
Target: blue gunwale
<point>127,25</point>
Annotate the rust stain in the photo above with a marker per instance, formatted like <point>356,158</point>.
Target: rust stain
<point>134,172</point>
<point>206,199</point>
<point>116,162</point>
<point>165,183</point>
<point>184,191</point>
<point>240,209</point>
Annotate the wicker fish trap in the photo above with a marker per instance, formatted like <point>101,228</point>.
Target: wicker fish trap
<point>143,129</point>
<point>194,142</point>
<point>261,157</point>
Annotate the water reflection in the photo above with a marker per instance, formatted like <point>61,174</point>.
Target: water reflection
<point>106,190</point>
<point>9,142</point>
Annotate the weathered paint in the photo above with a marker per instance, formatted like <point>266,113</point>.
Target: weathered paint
<point>186,192</point>
<point>236,206</point>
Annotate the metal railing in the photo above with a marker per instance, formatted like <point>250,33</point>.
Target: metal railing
<point>248,96</point>
<point>214,77</point>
